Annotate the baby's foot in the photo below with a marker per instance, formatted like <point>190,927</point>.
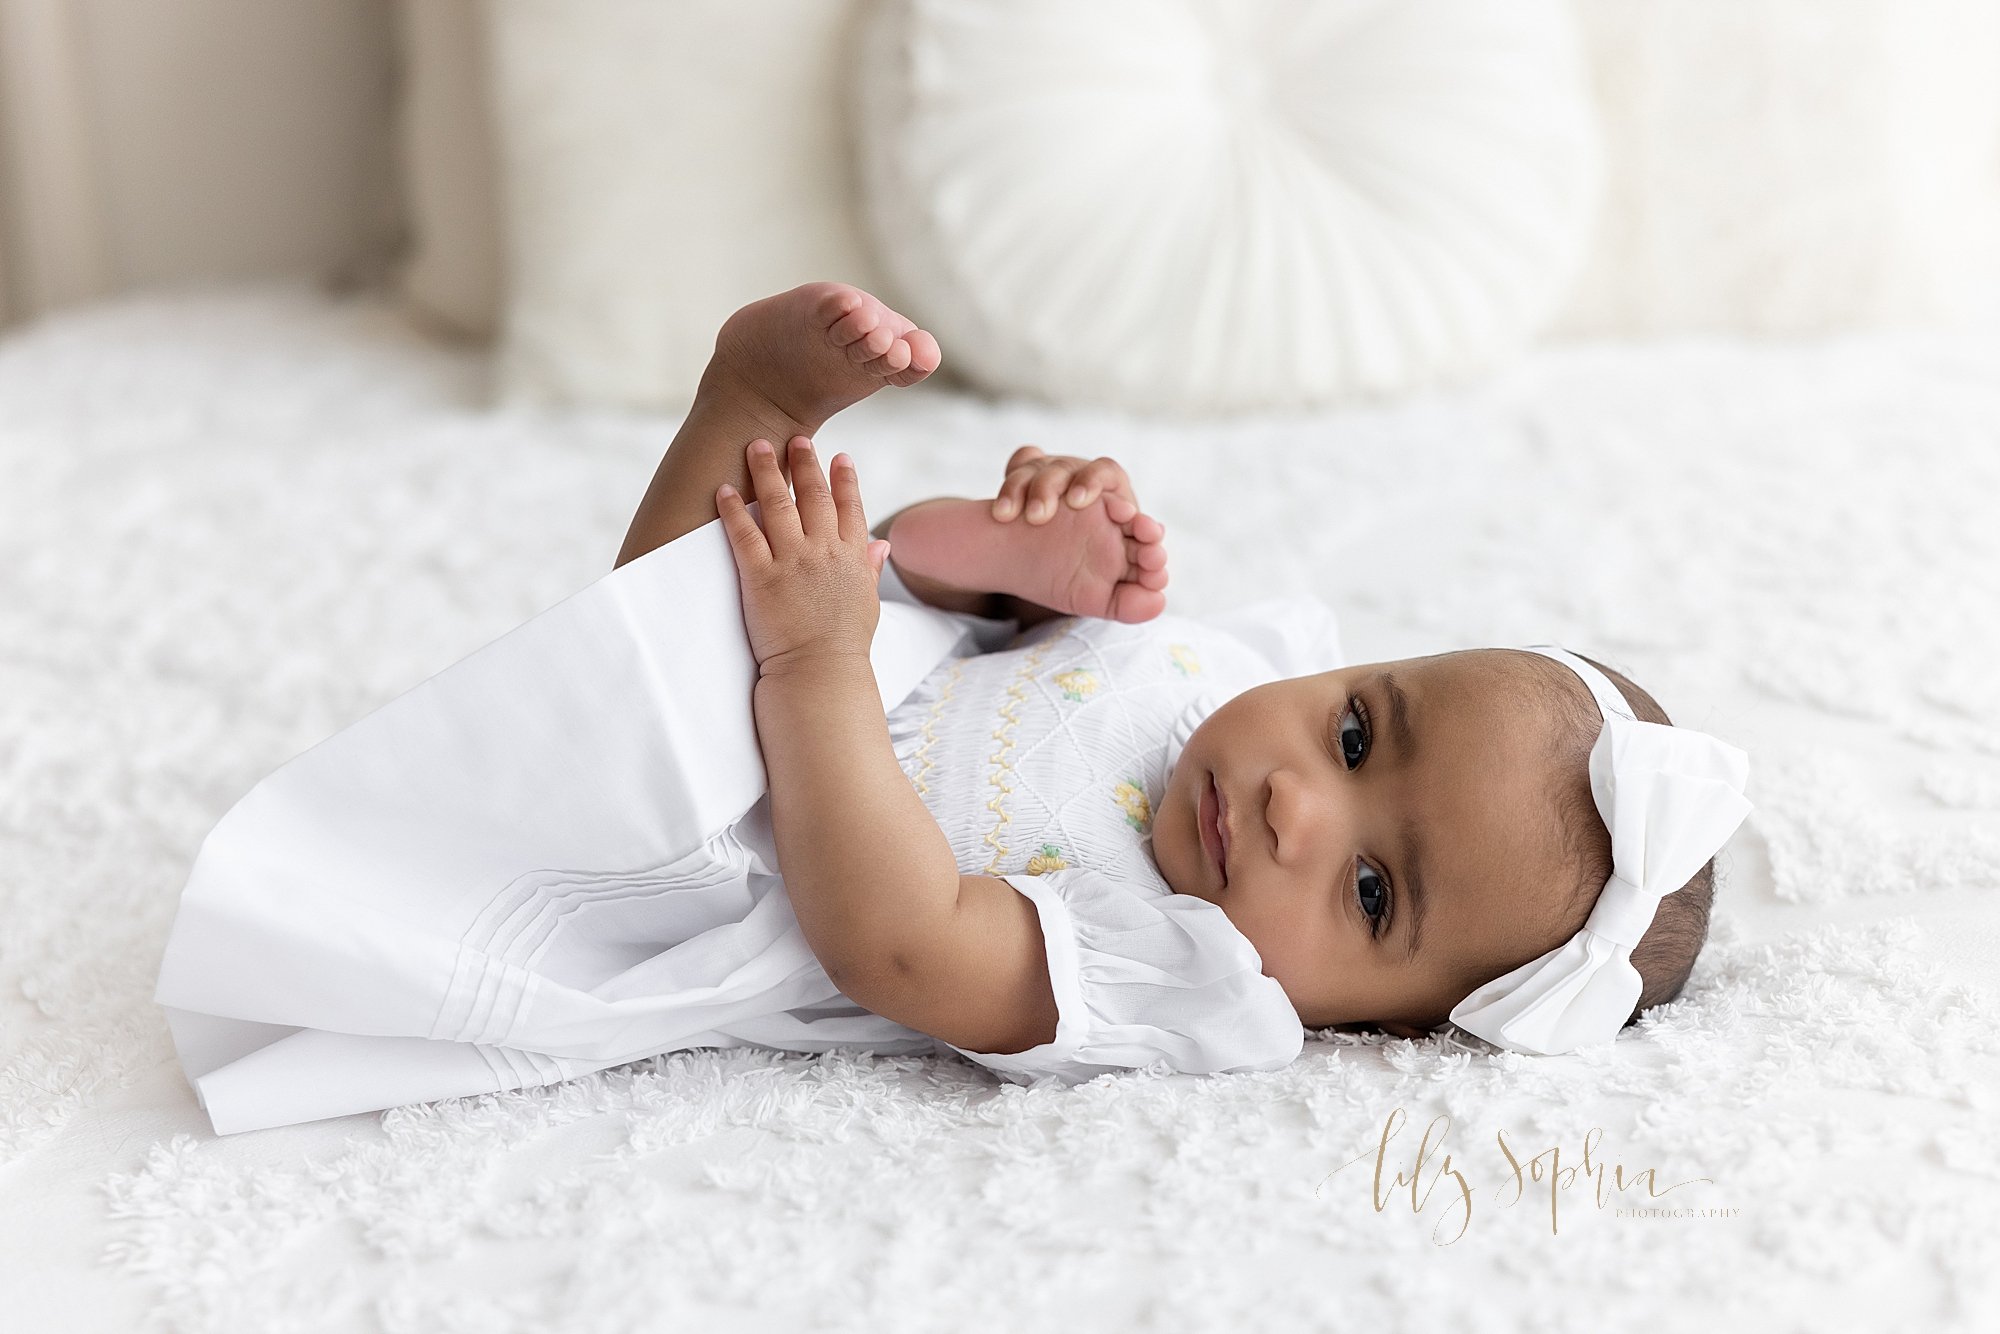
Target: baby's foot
<point>810,352</point>
<point>1106,560</point>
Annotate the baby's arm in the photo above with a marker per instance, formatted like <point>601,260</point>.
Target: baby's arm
<point>871,878</point>
<point>873,881</point>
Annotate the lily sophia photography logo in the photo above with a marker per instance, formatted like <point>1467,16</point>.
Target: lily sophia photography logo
<point>1544,1177</point>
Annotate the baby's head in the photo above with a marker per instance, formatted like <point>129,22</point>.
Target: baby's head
<point>1402,833</point>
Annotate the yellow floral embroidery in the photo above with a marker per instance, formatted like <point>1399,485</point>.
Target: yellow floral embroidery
<point>1184,659</point>
<point>921,780</point>
<point>1003,764</point>
<point>1077,685</point>
<point>1138,810</point>
<point>1050,858</point>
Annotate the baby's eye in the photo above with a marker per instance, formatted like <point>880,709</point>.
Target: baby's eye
<point>1354,734</point>
<point>1373,891</point>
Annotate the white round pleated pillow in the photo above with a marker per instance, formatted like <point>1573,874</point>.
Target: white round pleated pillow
<point>1223,205</point>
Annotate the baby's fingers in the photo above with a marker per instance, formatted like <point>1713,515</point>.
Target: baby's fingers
<point>1046,490</point>
<point>1099,476</point>
<point>746,539</point>
<point>1014,490</point>
<point>817,509</point>
<point>1025,454</point>
<point>774,499</point>
<point>847,500</point>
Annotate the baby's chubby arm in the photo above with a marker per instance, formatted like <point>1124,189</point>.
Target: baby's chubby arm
<point>871,877</point>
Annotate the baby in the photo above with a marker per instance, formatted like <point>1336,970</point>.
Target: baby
<point>1401,842</point>
<point>1044,822</point>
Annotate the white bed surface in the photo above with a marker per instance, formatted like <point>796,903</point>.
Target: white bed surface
<point>231,524</point>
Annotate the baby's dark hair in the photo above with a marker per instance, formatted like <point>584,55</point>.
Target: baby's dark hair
<point>1665,955</point>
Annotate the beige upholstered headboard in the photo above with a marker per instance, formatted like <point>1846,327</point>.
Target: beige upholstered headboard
<point>1773,166</point>
<point>186,141</point>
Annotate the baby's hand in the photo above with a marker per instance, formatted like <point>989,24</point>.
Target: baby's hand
<point>810,574</point>
<point>1034,481</point>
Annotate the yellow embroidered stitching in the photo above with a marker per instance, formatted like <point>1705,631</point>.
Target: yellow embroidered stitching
<point>1077,684</point>
<point>930,725</point>
<point>1004,735</point>
<point>1131,799</point>
<point>1050,858</point>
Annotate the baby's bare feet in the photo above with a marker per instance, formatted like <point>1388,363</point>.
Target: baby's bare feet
<point>781,367</point>
<point>812,351</point>
<point>1106,559</point>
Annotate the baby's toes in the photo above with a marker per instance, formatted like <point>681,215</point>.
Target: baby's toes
<point>895,359</point>
<point>1147,528</point>
<point>856,324</point>
<point>1131,603</point>
<point>873,347</point>
<point>1145,555</point>
<point>924,357</point>
<point>872,344</point>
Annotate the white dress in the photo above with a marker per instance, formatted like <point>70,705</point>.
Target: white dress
<point>544,861</point>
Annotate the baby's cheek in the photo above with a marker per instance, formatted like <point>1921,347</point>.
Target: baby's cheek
<point>1293,954</point>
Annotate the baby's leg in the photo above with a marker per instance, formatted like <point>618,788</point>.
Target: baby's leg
<point>1106,560</point>
<point>781,367</point>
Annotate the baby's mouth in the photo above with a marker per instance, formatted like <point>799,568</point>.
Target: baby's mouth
<point>1208,820</point>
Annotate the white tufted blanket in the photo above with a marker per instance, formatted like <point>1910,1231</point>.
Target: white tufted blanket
<point>230,525</point>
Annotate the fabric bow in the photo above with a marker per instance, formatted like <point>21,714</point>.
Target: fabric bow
<point>1671,798</point>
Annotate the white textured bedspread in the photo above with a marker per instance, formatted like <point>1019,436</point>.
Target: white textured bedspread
<point>232,524</point>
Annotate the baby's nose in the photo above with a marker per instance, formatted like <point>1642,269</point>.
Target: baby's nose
<point>1306,821</point>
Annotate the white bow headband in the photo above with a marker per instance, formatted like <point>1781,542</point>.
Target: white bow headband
<point>1671,798</point>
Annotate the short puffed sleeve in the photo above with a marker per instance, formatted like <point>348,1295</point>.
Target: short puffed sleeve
<point>1143,976</point>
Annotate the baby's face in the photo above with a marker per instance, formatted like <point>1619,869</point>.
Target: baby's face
<point>1392,833</point>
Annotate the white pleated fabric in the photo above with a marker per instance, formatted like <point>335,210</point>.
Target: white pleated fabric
<point>555,856</point>
<point>547,859</point>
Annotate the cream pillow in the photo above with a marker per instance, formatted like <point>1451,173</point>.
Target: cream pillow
<point>1216,205</point>
<point>1792,166</point>
<point>662,164</point>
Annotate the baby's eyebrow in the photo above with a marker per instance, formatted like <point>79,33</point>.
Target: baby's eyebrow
<point>1413,885</point>
<point>1399,718</point>
<point>1412,859</point>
